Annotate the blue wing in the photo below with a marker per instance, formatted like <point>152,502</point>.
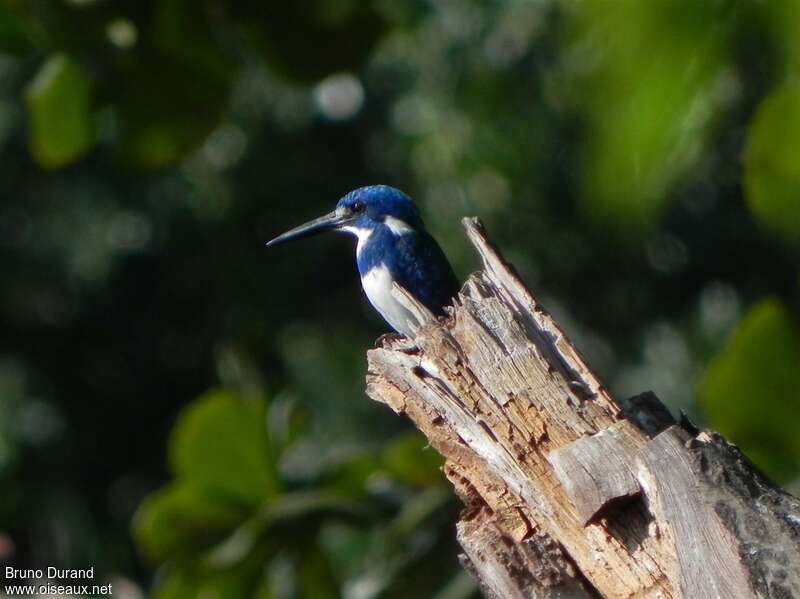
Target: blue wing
<point>420,266</point>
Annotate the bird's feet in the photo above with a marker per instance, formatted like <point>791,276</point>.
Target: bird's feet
<point>387,338</point>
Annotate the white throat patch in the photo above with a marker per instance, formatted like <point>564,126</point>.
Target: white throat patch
<point>362,234</point>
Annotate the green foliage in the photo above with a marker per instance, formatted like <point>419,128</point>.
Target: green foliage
<point>343,33</point>
<point>171,94</point>
<point>188,37</point>
<point>59,107</point>
<point>220,456</point>
<point>165,113</point>
<point>210,526</point>
<point>181,517</point>
<point>772,162</point>
<point>220,445</point>
<point>15,32</point>
<point>406,462</point>
<point>783,20</point>
<point>650,71</point>
<point>165,69</point>
<point>221,526</point>
<point>750,392</point>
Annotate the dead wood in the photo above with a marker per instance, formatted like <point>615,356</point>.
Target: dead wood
<point>568,493</point>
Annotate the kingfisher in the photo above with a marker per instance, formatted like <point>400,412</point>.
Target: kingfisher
<point>393,247</point>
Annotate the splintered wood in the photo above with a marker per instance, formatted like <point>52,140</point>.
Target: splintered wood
<point>567,493</point>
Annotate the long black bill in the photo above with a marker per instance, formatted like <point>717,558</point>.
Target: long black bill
<point>329,222</point>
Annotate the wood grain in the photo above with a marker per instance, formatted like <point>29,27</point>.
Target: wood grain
<point>567,494</point>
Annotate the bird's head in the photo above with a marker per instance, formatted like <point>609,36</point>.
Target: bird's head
<point>362,211</point>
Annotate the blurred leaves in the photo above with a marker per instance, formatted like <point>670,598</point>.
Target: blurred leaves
<point>164,69</point>
<point>772,162</point>
<point>179,518</point>
<point>408,464</point>
<point>59,108</point>
<point>304,41</point>
<point>165,112</point>
<point>783,19</point>
<point>220,445</point>
<point>191,37</point>
<point>227,525</point>
<point>208,527</point>
<point>651,71</point>
<point>15,32</point>
<point>171,90</point>
<point>751,391</point>
<point>220,457</point>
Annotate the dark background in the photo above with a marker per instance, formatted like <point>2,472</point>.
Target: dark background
<point>184,410</point>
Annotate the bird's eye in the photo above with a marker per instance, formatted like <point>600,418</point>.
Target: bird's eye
<point>358,206</point>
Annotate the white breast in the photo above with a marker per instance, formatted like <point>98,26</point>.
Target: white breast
<point>377,285</point>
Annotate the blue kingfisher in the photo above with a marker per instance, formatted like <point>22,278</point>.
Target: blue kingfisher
<point>393,247</point>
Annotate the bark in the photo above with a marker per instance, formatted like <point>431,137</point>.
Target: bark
<point>568,493</point>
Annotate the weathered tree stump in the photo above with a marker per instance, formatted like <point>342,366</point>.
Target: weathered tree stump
<point>568,493</point>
